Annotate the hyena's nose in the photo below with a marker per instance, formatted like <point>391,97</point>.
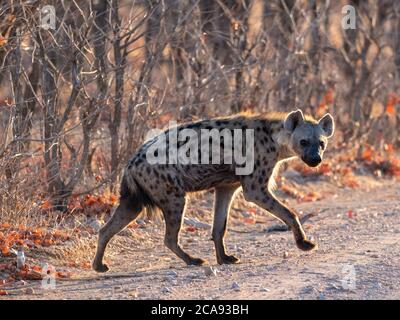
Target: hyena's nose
<point>314,160</point>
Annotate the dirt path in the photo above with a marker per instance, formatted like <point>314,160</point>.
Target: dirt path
<point>365,246</point>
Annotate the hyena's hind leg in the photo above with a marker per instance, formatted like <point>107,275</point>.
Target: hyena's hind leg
<point>126,212</point>
<point>173,210</point>
<point>223,199</point>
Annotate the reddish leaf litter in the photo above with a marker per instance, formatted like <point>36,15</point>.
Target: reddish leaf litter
<point>23,237</point>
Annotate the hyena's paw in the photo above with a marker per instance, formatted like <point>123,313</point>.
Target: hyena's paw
<point>100,267</point>
<point>228,260</point>
<point>196,262</point>
<point>306,245</point>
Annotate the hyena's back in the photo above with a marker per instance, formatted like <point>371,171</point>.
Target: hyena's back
<point>163,179</point>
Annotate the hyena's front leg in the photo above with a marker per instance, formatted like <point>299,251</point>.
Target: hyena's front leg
<point>266,200</point>
<point>173,210</point>
<point>223,199</point>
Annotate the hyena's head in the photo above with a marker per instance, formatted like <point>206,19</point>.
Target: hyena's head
<point>308,138</point>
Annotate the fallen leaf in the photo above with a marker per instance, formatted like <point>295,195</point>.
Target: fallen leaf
<point>249,220</point>
<point>45,205</point>
<point>36,268</point>
<point>350,214</point>
<point>367,154</point>
<point>391,104</point>
<point>5,250</point>
<point>191,229</point>
<point>3,41</point>
<point>60,274</point>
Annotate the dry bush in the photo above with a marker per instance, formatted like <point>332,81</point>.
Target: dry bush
<point>76,102</point>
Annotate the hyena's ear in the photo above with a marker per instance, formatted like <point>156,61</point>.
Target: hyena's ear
<point>293,119</point>
<point>327,124</point>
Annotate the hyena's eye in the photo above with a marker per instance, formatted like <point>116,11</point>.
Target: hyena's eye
<point>322,145</point>
<point>304,143</point>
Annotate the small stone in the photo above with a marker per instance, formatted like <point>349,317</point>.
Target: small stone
<point>196,223</point>
<point>85,234</point>
<point>210,271</point>
<point>235,286</point>
<point>321,296</point>
<point>173,273</point>
<point>265,290</point>
<point>29,291</point>
<point>166,290</point>
<point>118,288</point>
<point>286,255</point>
<point>94,224</point>
<point>170,279</point>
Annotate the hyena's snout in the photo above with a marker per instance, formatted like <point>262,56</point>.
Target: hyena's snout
<point>312,160</point>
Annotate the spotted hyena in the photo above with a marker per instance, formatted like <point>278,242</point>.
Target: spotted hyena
<point>274,138</point>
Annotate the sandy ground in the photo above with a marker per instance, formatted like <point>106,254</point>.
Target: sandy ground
<point>357,258</point>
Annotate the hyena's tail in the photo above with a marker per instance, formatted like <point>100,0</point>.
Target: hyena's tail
<point>133,192</point>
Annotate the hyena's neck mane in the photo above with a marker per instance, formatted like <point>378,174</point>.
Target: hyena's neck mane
<point>275,121</point>
<point>280,136</point>
<point>282,141</point>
